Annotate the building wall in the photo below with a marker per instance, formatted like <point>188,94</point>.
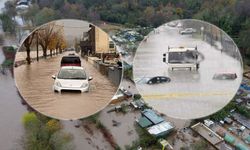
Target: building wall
<point>115,74</point>
<point>101,41</point>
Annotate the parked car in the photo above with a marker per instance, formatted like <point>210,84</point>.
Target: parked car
<point>188,31</point>
<point>158,79</point>
<point>71,60</point>
<point>71,78</point>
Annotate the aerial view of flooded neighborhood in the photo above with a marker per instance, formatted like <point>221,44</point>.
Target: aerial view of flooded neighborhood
<point>41,110</point>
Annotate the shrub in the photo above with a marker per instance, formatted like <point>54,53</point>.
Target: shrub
<point>52,126</point>
<point>30,120</point>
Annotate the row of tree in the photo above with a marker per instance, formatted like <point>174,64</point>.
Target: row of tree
<point>49,37</point>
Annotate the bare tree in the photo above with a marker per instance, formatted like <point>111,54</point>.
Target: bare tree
<point>27,43</point>
<point>45,33</point>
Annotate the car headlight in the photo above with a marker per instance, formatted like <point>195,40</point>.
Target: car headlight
<point>84,85</point>
<point>58,84</point>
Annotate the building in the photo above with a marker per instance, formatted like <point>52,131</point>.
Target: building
<point>96,41</point>
<point>154,124</point>
<point>160,129</point>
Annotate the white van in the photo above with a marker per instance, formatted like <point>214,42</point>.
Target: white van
<point>182,57</point>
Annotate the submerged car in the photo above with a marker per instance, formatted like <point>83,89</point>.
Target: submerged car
<point>158,79</point>
<point>188,31</point>
<point>225,76</point>
<point>71,78</point>
<point>71,60</point>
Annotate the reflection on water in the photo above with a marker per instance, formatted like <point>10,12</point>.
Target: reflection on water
<point>35,85</point>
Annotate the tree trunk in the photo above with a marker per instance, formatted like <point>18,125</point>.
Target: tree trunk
<point>50,52</point>
<point>44,53</point>
<point>28,55</point>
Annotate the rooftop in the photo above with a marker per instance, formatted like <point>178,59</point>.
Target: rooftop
<point>160,129</point>
<point>152,116</point>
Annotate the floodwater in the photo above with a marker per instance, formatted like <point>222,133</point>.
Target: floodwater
<point>190,94</point>
<point>90,138</point>
<point>124,133</point>
<point>11,113</point>
<point>35,85</point>
<point>2,58</point>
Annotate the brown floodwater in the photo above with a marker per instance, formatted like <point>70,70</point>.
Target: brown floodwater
<point>35,85</point>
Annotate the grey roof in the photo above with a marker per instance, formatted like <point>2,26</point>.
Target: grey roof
<point>152,116</point>
<point>241,119</point>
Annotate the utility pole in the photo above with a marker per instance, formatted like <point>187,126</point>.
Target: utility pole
<point>37,51</point>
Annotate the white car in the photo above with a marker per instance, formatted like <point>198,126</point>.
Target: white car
<point>71,78</point>
<point>188,31</point>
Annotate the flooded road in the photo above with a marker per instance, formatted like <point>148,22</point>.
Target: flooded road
<point>35,85</point>
<point>11,113</point>
<point>190,94</point>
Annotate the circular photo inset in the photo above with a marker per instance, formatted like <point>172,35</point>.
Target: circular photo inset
<point>67,69</point>
<point>187,69</point>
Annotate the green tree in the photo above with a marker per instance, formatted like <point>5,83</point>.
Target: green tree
<point>10,8</point>
<point>45,15</point>
<point>29,15</point>
<point>8,24</point>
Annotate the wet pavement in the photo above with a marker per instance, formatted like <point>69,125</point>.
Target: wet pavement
<point>35,85</point>
<point>190,94</point>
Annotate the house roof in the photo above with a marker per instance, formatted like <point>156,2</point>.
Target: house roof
<point>161,128</point>
<point>248,139</point>
<point>144,122</point>
<point>229,139</point>
<point>241,147</point>
<point>152,116</point>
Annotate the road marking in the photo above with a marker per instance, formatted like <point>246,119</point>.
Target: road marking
<point>178,95</point>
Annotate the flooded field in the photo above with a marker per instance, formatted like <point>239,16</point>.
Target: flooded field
<point>124,132</point>
<point>35,85</point>
<point>87,137</point>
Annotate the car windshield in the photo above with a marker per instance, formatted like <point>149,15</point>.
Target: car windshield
<point>72,74</point>
<point>182,57</point>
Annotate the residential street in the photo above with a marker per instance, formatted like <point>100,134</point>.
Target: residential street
<point>35,85</point>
